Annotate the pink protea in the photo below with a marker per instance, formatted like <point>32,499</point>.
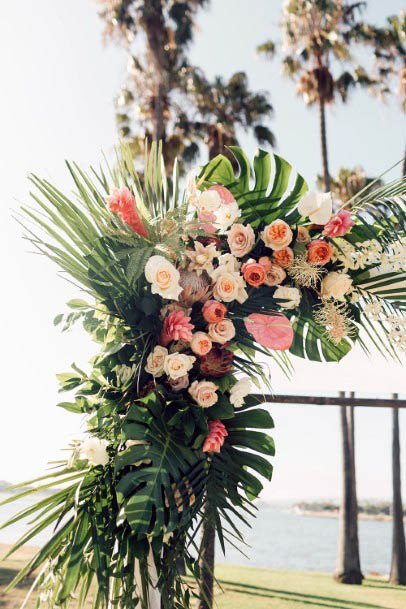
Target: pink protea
<point>177,326</point>
<point>225,195</point>
<point>338,225</point>
<point>215,438</point>
<point>122,202</point>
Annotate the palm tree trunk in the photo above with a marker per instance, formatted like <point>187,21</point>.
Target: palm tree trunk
<point>398,566</point>
<point>348,568</point>
<point>323,141</point>
<point>206,561</point>
<point>404,164</point>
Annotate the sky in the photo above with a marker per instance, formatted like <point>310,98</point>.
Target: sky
<point>56,103</point>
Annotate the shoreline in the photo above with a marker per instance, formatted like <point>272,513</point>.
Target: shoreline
<point>335,514</point>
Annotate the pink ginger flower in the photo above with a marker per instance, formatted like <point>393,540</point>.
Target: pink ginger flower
<point>215,438</point>
<point>177,326</point>
<point>225,195</point>
<point>122,202</point>
<point>338,225</point>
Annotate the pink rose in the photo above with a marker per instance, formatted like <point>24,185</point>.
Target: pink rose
<point>253,273</point>
<point>225,195</point>
<point>338,225</point>
<point>271,331</point>
<point>122,202</point>
<point>204,393</point>
<point>201,343</point>
<point>222,331</point>
<point>176,327</point>
<point>240,239</point>
<point>274,274</point>
<point>179,383</point>
<point>213,311</point>
<point>215,438</point>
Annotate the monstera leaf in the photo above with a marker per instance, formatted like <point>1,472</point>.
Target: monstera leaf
<point>310,342</point>
<point>161,480</point>
<point>271,190</point>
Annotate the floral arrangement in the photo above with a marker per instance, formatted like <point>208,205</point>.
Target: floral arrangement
<point>183,291</point>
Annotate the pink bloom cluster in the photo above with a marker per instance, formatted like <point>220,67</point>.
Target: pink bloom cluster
<point>215,438</point>
<point>122,202</point>
<point>177,326</point>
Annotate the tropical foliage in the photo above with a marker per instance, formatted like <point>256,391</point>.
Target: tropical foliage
<point>182,291</point>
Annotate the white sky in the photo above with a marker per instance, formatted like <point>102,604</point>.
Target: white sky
<point>58,84</point>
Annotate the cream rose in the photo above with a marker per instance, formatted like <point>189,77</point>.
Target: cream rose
<point>239,392</point>
<point>277,235</point>
<point>241,239</point>
<point>201,343</point>
<point>204,393</point>
<point>94,450</point>
<point>291,296</point>
<point>222,331</point>
<point>156,361</point>
<point>336,285</point>
<point>164,277</point>
<point>178,364</point>
<point>229,286</point>
<point>317,206</point>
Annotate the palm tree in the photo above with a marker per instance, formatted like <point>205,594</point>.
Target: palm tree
<point>167,99</point>
<point>348,182</point>
<point>318,36</point>
<point>348,568</point>
<point>398,565</point>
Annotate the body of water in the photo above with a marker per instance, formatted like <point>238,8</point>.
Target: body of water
<point>278,539</point>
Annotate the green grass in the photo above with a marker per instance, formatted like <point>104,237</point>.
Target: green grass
<point>249,588</point>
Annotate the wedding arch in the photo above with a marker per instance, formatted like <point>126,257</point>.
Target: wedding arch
<point>183,290</point>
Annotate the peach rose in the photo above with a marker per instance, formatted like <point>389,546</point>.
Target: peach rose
<point>204,393</point>
<point>180,383</point>
<point>213,311</point>
<point>319,252</point>
<point>222,331</point>
<point>254,273</point>
<point>303,235</point>
<point>201,343</point>
<point>274,274</point>
<point>225,195</point>
<point>240,239</point>
<point>284,258</point>
<point>277,235</point>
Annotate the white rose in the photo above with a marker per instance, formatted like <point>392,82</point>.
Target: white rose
<point>239,391</point>
<point>229,262</point>
<point>317,206</point>
<point>228,286</point>
<point>94,450</point>
<point>291,296</point>
<point>178,364</point>
<point>208,202</point>
<point>227,215</point>
<point>164,277</point>
<point>156,361</point>
<point>336,285</point>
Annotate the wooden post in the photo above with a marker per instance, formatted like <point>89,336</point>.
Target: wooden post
<point>348,568</point>
<point>398,565</point>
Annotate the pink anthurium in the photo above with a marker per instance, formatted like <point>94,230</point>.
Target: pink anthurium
<point>273,331</point>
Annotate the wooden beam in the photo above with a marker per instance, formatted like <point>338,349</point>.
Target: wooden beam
<point>314,400</point>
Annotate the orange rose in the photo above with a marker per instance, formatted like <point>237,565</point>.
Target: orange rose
<point>213,311</point>
<point>254,273</point>
<point>319,252</point>
<point>284,258</point>
<point>277,235</point>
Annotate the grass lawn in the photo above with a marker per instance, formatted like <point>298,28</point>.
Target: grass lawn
<point>249,588</point>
